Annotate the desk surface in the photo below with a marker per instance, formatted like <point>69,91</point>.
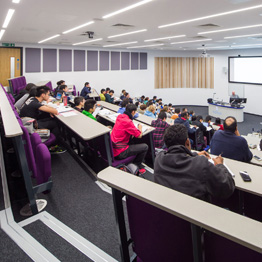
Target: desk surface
<point>109,106</point>
<point>11,125</point>
<point>84,126</point>
<point>237,228</point>
<point>93,93</point>
<point>42,83</point>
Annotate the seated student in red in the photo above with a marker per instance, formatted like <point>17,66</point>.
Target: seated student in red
<point>123,129</point>
<point>218,123</point>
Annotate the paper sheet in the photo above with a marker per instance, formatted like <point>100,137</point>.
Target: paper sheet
<point>67,114</point>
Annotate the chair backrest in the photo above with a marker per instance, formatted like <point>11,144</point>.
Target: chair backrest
<point>18,84</point>
<point>158,235</point>
<point>35,141</point>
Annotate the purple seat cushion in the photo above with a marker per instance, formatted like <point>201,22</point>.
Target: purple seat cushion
<point>51,141</point>
<point>125,161</point>
<point>35,141</point>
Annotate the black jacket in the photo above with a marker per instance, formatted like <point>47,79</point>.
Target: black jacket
<point>184,171</point>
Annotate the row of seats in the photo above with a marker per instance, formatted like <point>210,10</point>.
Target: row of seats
<point>17,84</point>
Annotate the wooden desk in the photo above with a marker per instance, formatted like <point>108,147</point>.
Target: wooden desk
<point>240,229</point>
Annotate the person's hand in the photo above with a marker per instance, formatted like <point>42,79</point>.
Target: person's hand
<point>218,160</point>
<point>139,126</point>
<point>204,153</point>
<point>237,132</point>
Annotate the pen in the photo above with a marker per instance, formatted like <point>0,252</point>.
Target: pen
<point>221,154</point>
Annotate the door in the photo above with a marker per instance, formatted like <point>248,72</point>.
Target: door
<point>10,64</point>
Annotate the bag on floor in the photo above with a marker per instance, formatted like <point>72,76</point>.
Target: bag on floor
<point>130,168</point>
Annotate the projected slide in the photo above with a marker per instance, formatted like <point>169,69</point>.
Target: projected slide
<point>245,70</point>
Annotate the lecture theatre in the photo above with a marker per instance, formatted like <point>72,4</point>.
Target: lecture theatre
<point>131,130</point>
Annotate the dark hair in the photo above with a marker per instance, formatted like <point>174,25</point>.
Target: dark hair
<point>143,97</point>
<point>112,91</point>
<point>170,104</point>
<point>199,117</point>
<point>175,135</point>
<point>130,108</point>
<point>143,107</point>
<point>78,100</point>
<point>149,103</point>
<point>231,127</point>
<point>191,112</point>
<point>208,118</point>
<point>62,87</point>
<point>194,118</point>
<point>160,99</point>
<point>154,97</point>
<point>126,93</point>
<point>123,90</point>
<point>42,90</point>
<point>162,115</point>
<point>137,104</point>
<point>184,114</point>
<point>157,100</point>
<point>183,109</point>
<point>177,110</point>
<point>125,102</point>
<point>86,83</point>
<point>32,92</point>
<point>29,86</point>
<point>89,104</point>
<point>218,121</point>
<point>160,103</point>
<point>60,82</point>
<point>107,89</point>
<point>102,90</point>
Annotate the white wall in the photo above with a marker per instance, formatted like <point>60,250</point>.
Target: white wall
<point>141,82</point>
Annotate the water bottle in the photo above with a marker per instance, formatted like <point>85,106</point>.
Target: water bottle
<point>65,100</point>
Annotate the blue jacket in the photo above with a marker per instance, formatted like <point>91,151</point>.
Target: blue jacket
<point>148,113</point>
<point>85,91</point>
<point>230,145</point>
<point>179,120</point>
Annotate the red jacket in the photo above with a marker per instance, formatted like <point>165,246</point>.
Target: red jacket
<point>120,135</point>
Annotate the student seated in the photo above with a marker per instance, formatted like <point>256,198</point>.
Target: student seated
<point>191,173</point>
<point>141,99</point>
<point>122,108</point>
<point>141,109</point>
<point>176,114</point>
<point>160,126</point>
<point>150,111</point>
<point>102,94</point>
<point>89,108</point>
<point>184,120</point>
<point>122,131</point>
<point>230,143</point>
<point>122,95</point>
<point>86,90</point>
<point>201,140</point>
<point>109,96</point>
<point>154,99</point>
<point>23,95</point>
<point>218,123</point>
<point>128,97</point>
<point>79,102</point>
<point>61,92</point>
<point>24,91</point>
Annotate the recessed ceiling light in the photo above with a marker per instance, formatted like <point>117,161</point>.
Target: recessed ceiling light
<point>127,8</point>
<point>239,36</point>
<point>163,38</point>
<point>229,29</point>
<point>211,16</point>
<point>1,33</point>
<point>16,1</point>
<point>80,43</point>
<point>129,43</point>
<point>77,27</point>
<point>142,46</point>
<point>8,17</point>
<point>47,39</point>
<point>193,41</point>
<point>129,33</point>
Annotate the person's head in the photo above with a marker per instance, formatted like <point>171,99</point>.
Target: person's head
<point>63,88</point>
<point>185,115</point>
<point>111,92</point>
<point>103,91</point>
<point>177,135</point>
<point>177,110</point>
<point>165,108</point>
<point>233,93</point>
<point>107,90</point>
<point>154,97</point>
<point>29,86</point>
<point>61,82</point>
<point>230,124</point>
<point>151,108</point>
<point>90,105</point>
<point>194,118</point>
<point>162,115</point>
<point>137,104</point>
<point>160,100</point>
<point>170,105</point>
<point>147,98</point>
<point>42,92</point>
<point>157,100</point>
<point>127,95</point>
<point>143,97</point>
<point>143,107</point>
<point>79,101</point>
<point>149,103</point>
<point>218,121</point>
<point>208,119</point>
<point>87,84</point>
<point>184,109</point>
<point>124,102</point>
<point>123,91</point>
<point>191,112</point>
<point>131,108</point>
<point>200,118</point>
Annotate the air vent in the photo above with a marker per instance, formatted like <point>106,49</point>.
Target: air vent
<point>208,26</point>
<point>122,25</point>
<point>198,37</point>
<point>109,41</point>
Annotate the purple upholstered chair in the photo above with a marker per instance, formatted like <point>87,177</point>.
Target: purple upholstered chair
<point>18,84</point>
<point>157,235</point>
<point>51,140</point>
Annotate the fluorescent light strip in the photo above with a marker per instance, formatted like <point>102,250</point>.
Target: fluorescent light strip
<point>211,16</point>
<point>78,27</point>
<point>8,17</point>
<point>127,8</point>
<point>229,29</point>
<point>230,46</point>
<point>80,43</point>
<point>47,39</point>
<point>190,41</point>
<point>142,46</point>
<point>16,1</point>
<point>129,43</point>
<point>246,45</point>
<point>239,36</point>
<point>212,47</point>
<point>2,33</point>
<point>130,33</point>
<point>164,38</point>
